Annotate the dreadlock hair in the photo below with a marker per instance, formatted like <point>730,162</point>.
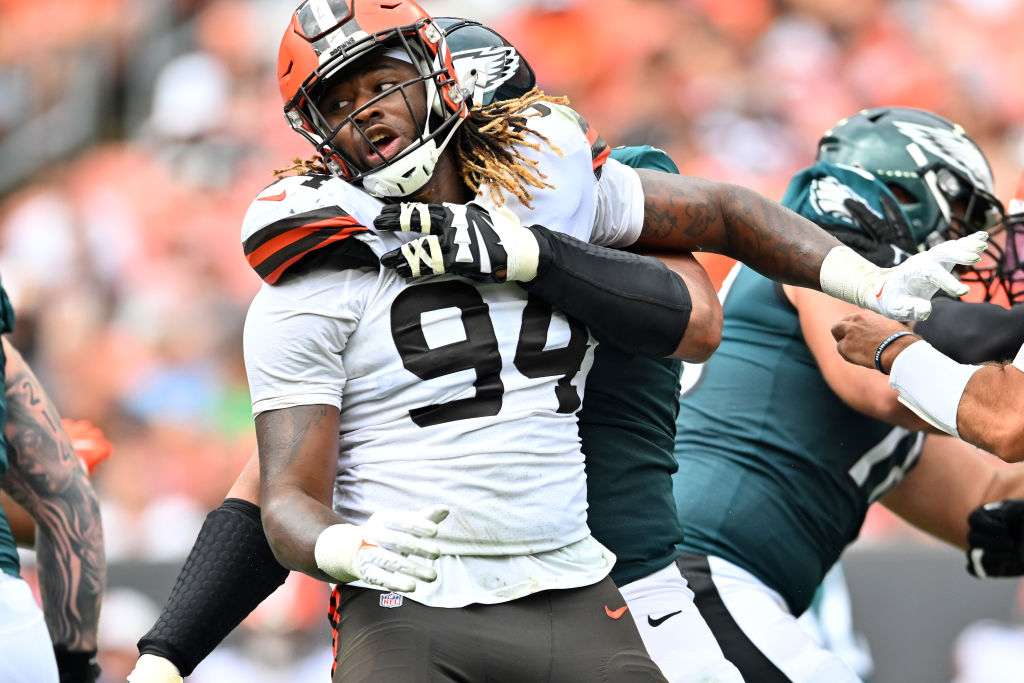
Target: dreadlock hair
<point>485,145</point>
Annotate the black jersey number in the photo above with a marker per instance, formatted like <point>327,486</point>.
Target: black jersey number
<point>479,350</point>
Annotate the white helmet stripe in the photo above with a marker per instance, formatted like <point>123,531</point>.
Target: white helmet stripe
<point>323,14</point>
<point>952,147</point>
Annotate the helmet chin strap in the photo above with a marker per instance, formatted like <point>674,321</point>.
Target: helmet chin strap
<point>410,173</point>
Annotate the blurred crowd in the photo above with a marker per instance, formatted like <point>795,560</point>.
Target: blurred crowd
<point>134,133</point>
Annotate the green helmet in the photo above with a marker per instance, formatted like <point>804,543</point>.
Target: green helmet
<point>486,64</point>
<point>939,175</point>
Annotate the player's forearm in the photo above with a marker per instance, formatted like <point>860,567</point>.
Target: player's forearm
<point>973,332</point>
<point>46,477</point>
<point>298,462</point>
<point>631,301</point>
<point>689,214</point>
<point>229,571</point>
<point>990,410</point>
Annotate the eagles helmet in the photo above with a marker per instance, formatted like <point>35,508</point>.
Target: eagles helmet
<point>489,67</point>
<point>327,36</point>
<point>939,175</point>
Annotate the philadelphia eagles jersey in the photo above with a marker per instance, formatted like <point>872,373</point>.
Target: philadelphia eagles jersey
<point>775,472</point>
<point>627,425</point>
<point>8,550</point>
<point>449,391</point>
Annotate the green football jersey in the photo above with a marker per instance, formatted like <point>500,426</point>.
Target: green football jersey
<point>627,425</point>
<point>8,550</point>
<point>776,473</point>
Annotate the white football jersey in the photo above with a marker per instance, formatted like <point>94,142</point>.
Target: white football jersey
<point>449,391</point>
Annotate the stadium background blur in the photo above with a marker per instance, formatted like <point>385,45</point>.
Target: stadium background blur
<point>134,133</point>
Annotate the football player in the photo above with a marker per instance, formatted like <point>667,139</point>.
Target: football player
<point>41,473</point>
<point>781,444</point>
<point>378,125</point>
<point>659,601</point>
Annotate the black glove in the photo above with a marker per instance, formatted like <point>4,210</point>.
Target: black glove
<point>996,539</point>
<point>76,666</point>
<point>884,241</point>
<point>461,239</point>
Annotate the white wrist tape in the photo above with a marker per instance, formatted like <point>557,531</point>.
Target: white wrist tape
<point>931,384</point>
<point>154,669</point>
<point>847,275</point>
<point>521,249</point>
<point>335,551</point>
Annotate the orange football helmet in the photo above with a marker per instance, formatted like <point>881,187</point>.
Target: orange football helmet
<point>327,36</point>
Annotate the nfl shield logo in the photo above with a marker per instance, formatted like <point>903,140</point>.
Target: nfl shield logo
<point>390,600</point>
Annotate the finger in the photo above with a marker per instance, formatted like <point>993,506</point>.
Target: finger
<point>904,308</point>
<point>406,543</point>
<point>864,217</point>
<point>411,523</point>
<point>398,565</point>
<point>388,218</point>
<point>435,513</point>
<point>396,261</point>
<point>964,251</point>
<point>938,277</point>
<point>897,228</point>
<point>375,576</point>
<point>975,563</point>
<point>839,330</point>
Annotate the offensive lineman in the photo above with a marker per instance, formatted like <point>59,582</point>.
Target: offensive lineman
<point>782,445</point>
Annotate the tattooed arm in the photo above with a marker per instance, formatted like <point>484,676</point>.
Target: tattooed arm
<point>690,214</point>
<point>298,449</point>
<point>48,480</point>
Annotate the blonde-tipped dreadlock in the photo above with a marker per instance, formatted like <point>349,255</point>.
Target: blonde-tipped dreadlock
<point>486,148</point>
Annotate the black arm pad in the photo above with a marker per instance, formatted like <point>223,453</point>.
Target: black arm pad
<point>973,332</point>
<point>634,302</point>
<point>229,571</point>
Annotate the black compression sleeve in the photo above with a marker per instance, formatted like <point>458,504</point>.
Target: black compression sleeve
<point>634,302</point>
<point>973,332</point>
<point>229,571</point>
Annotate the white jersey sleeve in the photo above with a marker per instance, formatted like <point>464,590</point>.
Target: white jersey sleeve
<point>620,206</point>
<point>294,337</point>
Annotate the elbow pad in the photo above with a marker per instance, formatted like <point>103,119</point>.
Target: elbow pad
<point>634,302</point>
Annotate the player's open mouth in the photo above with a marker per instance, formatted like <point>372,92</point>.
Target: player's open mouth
<point>382,148</point>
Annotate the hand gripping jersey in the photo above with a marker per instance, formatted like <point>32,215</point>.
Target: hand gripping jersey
<point>449,391</point>
<point>9,563</point>
<point>775,472</point>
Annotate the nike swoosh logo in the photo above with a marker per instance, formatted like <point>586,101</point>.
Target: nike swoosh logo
<point>273,197</point>
<point>616,613</point>
<point>661,620</point>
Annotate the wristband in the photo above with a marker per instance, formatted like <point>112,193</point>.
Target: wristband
<point>931,384</point>
<point>885,343</point>
<point>76,666</point>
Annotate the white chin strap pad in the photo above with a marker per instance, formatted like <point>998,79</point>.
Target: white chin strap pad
<point>405,176</point>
